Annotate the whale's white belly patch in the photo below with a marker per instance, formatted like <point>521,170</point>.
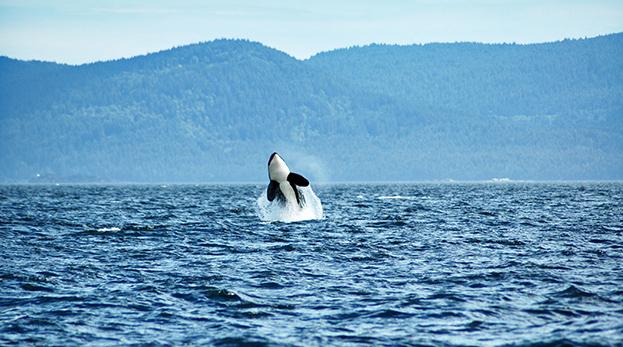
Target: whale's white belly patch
<point>287,191</point>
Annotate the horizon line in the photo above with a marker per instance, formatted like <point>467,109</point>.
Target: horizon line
<point>496,181</point>
<point>314,54</point>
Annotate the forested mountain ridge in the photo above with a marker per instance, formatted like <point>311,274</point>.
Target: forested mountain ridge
<point>473,78</point>
<point>214,112</point>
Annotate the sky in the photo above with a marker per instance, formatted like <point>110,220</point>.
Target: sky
<point>80,31</point>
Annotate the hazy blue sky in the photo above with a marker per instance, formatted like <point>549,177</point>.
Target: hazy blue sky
<point>77,31</point>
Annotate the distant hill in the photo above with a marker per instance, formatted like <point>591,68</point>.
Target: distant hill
<point>215,111</point>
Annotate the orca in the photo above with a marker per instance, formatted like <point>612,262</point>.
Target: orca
<point>284,184</point>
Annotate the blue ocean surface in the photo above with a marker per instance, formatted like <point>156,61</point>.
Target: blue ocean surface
<point>387,264</point>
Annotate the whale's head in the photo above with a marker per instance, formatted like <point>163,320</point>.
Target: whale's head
<point>277,168</point>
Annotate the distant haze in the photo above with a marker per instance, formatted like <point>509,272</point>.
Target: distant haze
<point>215,111</point>
<point>77,31</point>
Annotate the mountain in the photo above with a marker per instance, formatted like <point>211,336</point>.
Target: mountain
<point>215,111</point>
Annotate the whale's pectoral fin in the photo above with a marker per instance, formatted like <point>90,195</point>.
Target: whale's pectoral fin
<point>273,190</point>
<point>300,198</point>
<point>297,179</point>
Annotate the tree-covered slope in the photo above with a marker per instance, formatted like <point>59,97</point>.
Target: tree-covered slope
<point>191,113</point>
<point>216,110</point>
<point>541,111</point>
<point>569,77</point>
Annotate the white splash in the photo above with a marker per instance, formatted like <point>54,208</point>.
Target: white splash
<point>501,180</point>
<point>276,212</point>
<point>103,230</point>
<point>391,197</point>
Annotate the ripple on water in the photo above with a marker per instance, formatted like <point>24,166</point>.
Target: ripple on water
<point>406,264</point>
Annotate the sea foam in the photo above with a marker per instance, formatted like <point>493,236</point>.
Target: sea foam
<point>276,212</point>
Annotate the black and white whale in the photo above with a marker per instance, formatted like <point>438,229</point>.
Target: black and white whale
<point>284,184</point>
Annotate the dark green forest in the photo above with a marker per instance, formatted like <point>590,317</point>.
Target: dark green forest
<point>215,111</point>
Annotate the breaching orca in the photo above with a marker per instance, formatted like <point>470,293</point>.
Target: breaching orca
<point>284,184</point>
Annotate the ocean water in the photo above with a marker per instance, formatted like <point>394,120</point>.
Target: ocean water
<point>387,264</point>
